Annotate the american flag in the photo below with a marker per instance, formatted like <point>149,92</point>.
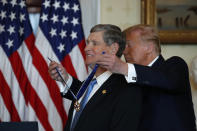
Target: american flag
<point>27,92</point>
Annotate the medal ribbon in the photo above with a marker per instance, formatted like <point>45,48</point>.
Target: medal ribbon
<point>86,82</point>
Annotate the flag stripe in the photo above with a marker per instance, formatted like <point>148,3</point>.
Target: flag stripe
<point>7,97</point>
<point>42,68</point>
<point>4,114</point>
<point>69,66</point>
<point>33,117</point>
<point>78,62</point>
<point>82,47</point>
<point>11,80</point>
<point>28,92</point>
<point>38,84</point>
<point>40,110</point>
<point>20,75</point>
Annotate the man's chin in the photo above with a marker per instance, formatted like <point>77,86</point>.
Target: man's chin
<point>90,63</point>
<point>91,66</point>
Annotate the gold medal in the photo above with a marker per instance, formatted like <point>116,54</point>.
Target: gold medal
<point>77,106</point>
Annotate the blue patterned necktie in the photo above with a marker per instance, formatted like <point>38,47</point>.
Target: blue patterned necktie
<point>83,103</point>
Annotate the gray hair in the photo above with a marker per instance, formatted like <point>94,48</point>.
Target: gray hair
<point>112,34</point>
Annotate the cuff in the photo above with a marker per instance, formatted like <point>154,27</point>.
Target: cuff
<point>64,88</point>
<point>132,76</point>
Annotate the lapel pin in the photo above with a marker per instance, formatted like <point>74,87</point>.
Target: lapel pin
<point>104,91</point>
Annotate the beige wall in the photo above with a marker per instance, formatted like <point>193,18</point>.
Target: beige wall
<point>125,13</point>
<point>120,12</point>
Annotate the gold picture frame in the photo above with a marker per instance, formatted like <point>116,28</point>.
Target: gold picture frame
<point>148,16</point>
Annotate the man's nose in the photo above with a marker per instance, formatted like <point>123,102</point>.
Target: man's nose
<point>88,47</point>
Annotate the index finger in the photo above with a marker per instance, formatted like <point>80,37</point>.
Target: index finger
<point>52,65</point>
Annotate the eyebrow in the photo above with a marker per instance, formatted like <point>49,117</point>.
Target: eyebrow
<point>92,41</point>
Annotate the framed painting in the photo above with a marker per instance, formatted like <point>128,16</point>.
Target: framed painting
<point>176,20</point>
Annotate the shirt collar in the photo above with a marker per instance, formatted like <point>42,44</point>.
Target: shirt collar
<point>103,77</point>
<point>152,62</point>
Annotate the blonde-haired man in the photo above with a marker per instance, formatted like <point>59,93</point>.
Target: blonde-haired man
<point>167,101</point>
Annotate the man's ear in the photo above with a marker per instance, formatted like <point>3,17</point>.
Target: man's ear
<point>150,48</point>
<point>114,48</point>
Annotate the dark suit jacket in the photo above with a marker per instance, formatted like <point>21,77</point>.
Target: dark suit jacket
<point>167,101</point>
<point>116,110</point>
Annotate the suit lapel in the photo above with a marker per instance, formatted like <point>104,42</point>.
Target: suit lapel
<point>70,115</point>
<point>99,95</point>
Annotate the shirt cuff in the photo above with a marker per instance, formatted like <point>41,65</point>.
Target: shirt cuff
<point>132,76</point>
<point>64,88</point>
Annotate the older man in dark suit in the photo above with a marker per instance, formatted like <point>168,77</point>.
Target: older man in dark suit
<point>111,105</point>
<point>167,101</point>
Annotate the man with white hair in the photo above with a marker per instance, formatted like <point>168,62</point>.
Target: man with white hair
<point>167,101</point>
